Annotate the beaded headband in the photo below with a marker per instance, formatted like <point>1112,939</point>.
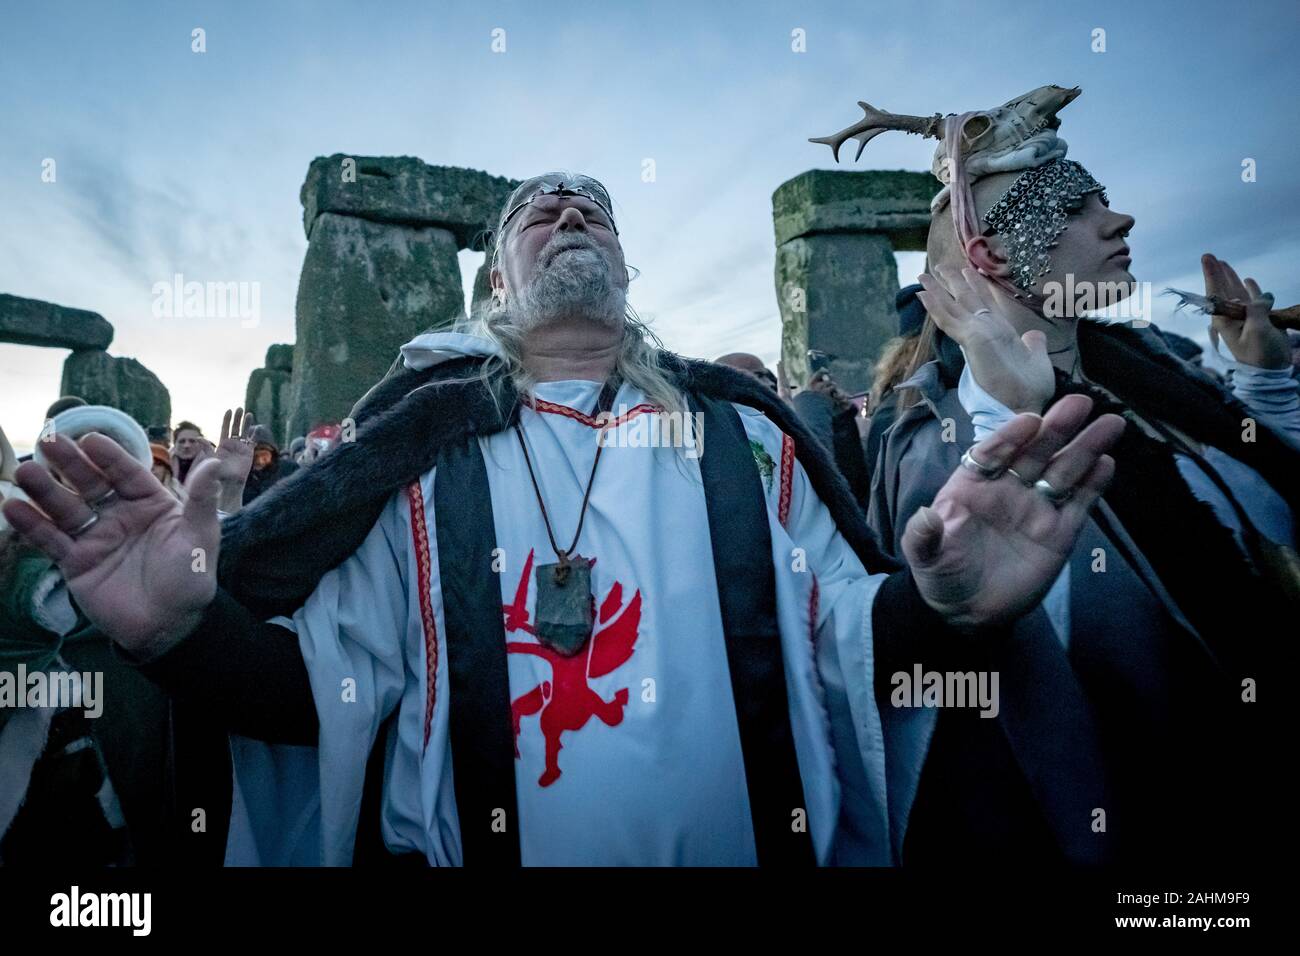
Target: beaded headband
<point>562,185</point>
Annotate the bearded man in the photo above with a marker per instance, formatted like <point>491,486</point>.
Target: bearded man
<point>1143,657</point>
<point>550,638</point>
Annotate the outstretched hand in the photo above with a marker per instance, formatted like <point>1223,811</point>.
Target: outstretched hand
<point>988,549</point>
<point>978,315</point>
<point>140,565</point>
<point>235,452</point>
<point>1254,340</point>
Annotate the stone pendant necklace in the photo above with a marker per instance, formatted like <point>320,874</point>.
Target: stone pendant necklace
<point>563,614</point>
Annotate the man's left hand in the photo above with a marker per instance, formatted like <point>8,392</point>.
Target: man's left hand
<point>989,547</point>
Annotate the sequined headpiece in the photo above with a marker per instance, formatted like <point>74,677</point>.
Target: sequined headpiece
<point>1031,214</point>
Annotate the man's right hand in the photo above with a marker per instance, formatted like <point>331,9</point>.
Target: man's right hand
<point>146,569</point>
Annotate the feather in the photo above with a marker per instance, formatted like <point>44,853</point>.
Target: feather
<point>1190,300</point>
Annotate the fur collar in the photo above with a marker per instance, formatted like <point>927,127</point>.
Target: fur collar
<point>276,550</point>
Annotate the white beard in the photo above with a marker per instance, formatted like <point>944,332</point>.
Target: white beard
<point>575,284</point>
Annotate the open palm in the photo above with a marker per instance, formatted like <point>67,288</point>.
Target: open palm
<point>987,550</point>
<point>145,569</point>
<point>975,313</point>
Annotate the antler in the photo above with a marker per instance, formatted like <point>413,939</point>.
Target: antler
<point>875,122</point>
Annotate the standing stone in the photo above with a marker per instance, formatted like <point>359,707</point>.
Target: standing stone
<point>280,358</point>
<point>381,267</point>
<point>33,322</point>
<point>836,276</point>
<point>123,383</point>
<point>366,288</point>
<point>848,309</point>
<point>267,396</point>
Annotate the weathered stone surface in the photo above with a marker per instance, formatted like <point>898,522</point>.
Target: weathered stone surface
<point>33,322</point>
<point>836,294</point>
<point>280,358</point>
<point>895,203</point>
<point>836,276</point>
<point>103,379</point>
<point>406,191</point>
<point>366,288</point>
<point>267,398</point>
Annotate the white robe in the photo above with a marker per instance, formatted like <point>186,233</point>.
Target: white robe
<point>653,774</point>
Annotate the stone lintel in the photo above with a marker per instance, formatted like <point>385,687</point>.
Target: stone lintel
<point>405,190</point>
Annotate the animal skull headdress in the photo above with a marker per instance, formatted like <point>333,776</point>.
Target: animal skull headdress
<point>1018,135</point>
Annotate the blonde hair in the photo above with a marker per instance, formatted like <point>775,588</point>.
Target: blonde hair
<point>891,368</point>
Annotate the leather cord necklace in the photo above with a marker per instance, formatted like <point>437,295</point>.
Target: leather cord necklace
<point>564,609</point>
<point>562,569</point>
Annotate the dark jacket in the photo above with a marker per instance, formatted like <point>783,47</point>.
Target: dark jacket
<point>1156,653</point>
<point>157,761</point>
<point>260,480</point>
<point>837,430</point>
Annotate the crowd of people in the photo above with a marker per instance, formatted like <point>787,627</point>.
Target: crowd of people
<point>1001,608</point>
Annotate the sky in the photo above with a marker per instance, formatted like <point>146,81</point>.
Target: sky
<point>170,161</point>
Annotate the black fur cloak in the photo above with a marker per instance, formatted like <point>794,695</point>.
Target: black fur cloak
<point>274,552</point>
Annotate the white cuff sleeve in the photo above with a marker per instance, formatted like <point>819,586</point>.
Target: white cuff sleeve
<point>986,413</point>
<point>52,605</point>
<point>1270,393</point>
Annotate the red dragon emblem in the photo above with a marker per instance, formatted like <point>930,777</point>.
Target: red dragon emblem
<point>567,702</point>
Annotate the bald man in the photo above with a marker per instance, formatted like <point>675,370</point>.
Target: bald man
<point>750,364</point>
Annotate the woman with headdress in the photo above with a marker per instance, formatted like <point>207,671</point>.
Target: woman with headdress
<point>1127,726</point>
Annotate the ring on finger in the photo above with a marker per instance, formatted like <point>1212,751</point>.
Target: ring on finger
<point>85,525</point>
<point>104,499</point>
<point>982,312</point>
<point>1054,495</point>
<point>989,472</point>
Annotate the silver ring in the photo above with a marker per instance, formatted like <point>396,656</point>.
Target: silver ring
<point>969,460</point>
<point>106,498</point>
<point>1056,497</point>
<point>982,312</point>
<point>84,526</point>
